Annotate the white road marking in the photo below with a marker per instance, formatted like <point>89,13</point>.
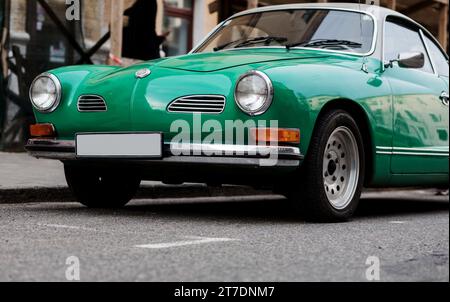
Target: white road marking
<point>397,222</point>
<point>193,241</point>
<point>62,226</point>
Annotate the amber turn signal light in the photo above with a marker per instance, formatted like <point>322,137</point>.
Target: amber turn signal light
<point>269,135</point>
<point>42,130</point>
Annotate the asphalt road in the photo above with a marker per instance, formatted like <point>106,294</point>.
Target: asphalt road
<point>224,239</point>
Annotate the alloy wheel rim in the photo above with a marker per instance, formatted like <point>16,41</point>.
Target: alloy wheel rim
<point>341,168</point>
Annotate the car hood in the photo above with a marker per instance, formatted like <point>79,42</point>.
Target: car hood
<point>209,62</point>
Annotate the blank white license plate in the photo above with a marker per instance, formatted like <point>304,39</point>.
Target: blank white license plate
<point>139,145</point>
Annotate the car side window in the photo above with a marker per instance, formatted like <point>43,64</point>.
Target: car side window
<point>439,59</point>
<point>401,39</point>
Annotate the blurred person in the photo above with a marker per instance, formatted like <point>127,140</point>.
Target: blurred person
<point>140,40</point>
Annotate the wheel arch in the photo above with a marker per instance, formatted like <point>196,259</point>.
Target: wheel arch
<point>358,113</point>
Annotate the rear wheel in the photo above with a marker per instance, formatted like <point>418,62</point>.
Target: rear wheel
<point>333,173</point>
<point>101,189</point>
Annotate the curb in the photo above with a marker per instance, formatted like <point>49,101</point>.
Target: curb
<point>63,194</point>
<point>39,195</point>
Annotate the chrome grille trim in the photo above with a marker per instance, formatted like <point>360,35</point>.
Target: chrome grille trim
<point>91,103</point>
<point>212,104</point>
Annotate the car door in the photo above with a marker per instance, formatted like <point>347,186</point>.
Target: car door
<point>420,117</point>
<point>440,64</point>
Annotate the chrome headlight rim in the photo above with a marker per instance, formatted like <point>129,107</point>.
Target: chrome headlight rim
<point>270,93</point>
<point>58,88</point>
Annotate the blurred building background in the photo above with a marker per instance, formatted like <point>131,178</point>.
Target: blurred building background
<point>36,36</point>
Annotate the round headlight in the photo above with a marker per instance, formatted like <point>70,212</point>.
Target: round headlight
<point>45,92</point>
<point>254,93</point>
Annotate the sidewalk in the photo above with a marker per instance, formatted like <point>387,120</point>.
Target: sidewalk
<point>21,171</point>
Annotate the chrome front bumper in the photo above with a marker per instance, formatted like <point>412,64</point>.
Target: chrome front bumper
<point>287,156</point>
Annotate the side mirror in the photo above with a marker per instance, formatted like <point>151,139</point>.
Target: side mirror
<point>409,60</point>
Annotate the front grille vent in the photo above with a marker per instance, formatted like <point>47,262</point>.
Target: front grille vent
<point>213,104</point>
<point>91,103</point>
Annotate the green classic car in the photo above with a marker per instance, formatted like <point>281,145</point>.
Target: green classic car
<point>316,101</point>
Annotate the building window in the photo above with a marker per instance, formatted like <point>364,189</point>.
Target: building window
<point>47,47</point>
<point>178,19</point>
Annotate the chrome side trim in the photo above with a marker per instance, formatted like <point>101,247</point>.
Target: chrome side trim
<point>426,151</point>
<point>437,149</point>
<point>384,153</point>
<point>420,154</point>
<point>431,149</point>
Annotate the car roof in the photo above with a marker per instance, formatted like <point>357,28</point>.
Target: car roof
<point>375,10</point>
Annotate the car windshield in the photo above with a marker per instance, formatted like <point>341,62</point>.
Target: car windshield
<point>313,28</point>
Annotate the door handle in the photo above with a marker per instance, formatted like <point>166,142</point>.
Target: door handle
<point>444,98</point>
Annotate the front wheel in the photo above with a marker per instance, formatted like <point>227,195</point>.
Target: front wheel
<point>333,173</point>
<point>101,189</point>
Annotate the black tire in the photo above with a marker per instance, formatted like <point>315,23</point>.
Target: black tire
<point>101,189</point>
<point>311,199</point>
